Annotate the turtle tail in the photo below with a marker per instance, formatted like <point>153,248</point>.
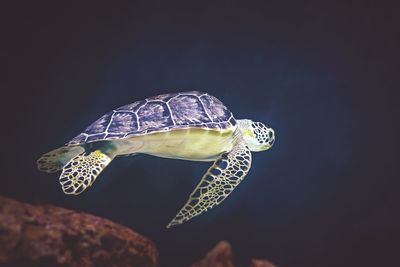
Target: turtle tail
<point>56,159</point>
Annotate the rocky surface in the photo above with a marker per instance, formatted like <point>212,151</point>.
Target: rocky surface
<point>43,235</point>
<point>261,263</point>
<point>222,256</point>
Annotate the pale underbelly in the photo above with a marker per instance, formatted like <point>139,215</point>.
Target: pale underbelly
<point>190,144</point>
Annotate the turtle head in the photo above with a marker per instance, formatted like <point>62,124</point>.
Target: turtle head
<point>257,136</point>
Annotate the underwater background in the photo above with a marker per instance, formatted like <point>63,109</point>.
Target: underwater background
<point>323,74</point>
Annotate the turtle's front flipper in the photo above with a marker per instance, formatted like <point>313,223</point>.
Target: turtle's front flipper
<point>82,170</point>
<point>219,181</point>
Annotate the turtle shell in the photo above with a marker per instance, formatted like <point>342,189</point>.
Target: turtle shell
<point>159,113</point>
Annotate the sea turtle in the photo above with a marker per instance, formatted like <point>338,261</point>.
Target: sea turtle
<point>186,125</point>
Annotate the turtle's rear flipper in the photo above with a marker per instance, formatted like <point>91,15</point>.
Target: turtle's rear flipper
<point>55,160</point>
<point>82,170</point>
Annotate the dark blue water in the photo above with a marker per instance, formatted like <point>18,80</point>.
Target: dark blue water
<point>322,74</point>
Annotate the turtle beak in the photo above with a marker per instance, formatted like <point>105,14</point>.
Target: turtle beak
<point>271,137</point>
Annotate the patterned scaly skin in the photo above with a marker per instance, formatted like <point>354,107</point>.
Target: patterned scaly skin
<point>82,171</point>
<point>218,182</point>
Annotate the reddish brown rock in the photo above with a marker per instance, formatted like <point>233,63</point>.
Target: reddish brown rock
<point>43,235</point>
<point>261,263</point>
<point>219,256</point>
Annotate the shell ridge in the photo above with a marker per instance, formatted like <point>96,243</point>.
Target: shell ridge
<point>205,110</point>
<point>137,111</point>
<point>170,112</point>
<point>109,123</point>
